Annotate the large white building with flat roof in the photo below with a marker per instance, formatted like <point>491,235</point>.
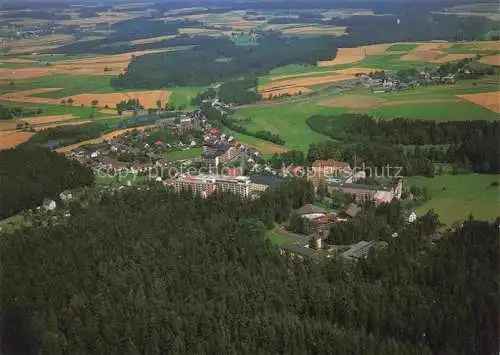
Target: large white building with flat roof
<point>206,184</point>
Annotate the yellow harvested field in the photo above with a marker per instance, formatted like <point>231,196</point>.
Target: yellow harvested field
<point>115,65</point>
<point>304,81</point>
<point>491,60</point>
<point>111,17</point>
<point>453,57</point>
<point>37,44</point>
<point>316,30</point>
<point>268,147</point>
<point>25,96</point>
<point>192,31</point>
<point>433,52</point>
<point>354,101</point>
<point>488,100</point>
<point>147,99</point>
<point>374,49</point>
<point>290,91</point>
<point>153,39</point>
<point>345,56</point>
<point>47,119</point>
<point>10,139</point>
<point>353,55</point>
<point>350,71</point>
<point>18,61</point>
<point>38,128</point>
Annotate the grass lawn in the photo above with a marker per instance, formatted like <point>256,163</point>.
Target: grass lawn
<point>454,197</point>
<point>390,62</point>
<point>183,95</point>
<point>277,238</point>
<point>52,110</point>
<point>460,111</point>
<point>184,154</point>
<point>402,47</point>
<point>288,120</point>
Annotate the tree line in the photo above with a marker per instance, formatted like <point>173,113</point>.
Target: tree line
<point>195,275</point>
<point>468,144</point>
<point>29,175</point>
<point>8,112</point>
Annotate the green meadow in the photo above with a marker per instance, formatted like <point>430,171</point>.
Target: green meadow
<point>402,47</point>
<point>277,238</point>
<point>52,110</point>
<point>69,84</point>
<point>455,197</point>
<point>183,154</point>
<point>288,120</point>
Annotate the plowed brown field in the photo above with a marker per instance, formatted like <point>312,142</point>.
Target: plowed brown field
<point>488,100</point>
<point>47,119</point>
<point>10,139</point>
<point>491,60</point>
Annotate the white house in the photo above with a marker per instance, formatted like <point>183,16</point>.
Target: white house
<point>66,195</point>
<point>49,205</point>
<point>412,217</point>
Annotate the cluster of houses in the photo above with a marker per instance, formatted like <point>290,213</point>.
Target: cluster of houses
<point>189,121</point>
<point>218,148</point>
<point>393,83</point>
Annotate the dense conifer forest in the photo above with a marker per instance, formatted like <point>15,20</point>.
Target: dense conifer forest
<point>29,175</point>
<point>150,272</point>
<point>219,59</point>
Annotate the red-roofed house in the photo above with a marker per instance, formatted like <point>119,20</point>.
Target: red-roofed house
<point>215,132</point>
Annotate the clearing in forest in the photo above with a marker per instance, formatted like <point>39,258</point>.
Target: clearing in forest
<point>488,100</point>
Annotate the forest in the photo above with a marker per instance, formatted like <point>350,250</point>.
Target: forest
<point>219,59</point>
<point>471,145</point>
<point>29,175</point>
<point>196,276</point>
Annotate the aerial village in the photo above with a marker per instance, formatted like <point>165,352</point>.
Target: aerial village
<point>225,164</point>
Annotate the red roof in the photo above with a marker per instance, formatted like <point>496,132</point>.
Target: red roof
<point>214,131</point>
<point>233,172</point>
<point>159,143</point>
<point>330,164</point>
